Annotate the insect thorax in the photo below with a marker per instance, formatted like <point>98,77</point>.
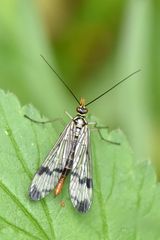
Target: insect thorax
<point>80,121</point>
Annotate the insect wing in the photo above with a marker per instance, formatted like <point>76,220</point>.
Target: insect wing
<point>81,175</point>
<point>48,175</point>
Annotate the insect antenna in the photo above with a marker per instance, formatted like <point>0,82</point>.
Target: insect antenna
<point>60,79</point>
<point>95,99</point>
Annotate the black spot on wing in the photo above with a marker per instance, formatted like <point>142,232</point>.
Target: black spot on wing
<point>48,171</point>
<point>58,170</point>
<point>82,206</point>
<point>34,193</point>
<point>44,170</point>
<point>88,181</point>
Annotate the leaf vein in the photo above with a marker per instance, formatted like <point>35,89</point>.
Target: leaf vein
<point>16,147</point>
<point>103,209</point>
<point>49,219</point>
<point>19,228</point>
<point>23,209</point>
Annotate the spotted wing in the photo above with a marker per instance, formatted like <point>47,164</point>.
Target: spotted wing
<point>48,175</point>
<point>81,175</point>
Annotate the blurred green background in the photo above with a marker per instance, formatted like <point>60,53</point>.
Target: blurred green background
<point>92,44</point>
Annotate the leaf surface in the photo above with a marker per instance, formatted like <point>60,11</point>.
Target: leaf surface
<point>126,196</point>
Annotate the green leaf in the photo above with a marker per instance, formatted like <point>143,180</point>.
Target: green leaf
<point>126,195</point>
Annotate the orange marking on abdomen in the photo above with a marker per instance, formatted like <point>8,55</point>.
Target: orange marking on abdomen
<point>59,186</point>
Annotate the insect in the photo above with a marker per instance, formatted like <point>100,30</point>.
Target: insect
<point>69,156</point>
<point>62,203</point>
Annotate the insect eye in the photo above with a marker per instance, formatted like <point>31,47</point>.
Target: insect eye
<point>82,110</point>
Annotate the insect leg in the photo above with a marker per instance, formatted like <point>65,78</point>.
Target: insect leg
<point>44,122</point>
<point>68,115</point>
<point>98,128</point>
<point>95,125</point>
